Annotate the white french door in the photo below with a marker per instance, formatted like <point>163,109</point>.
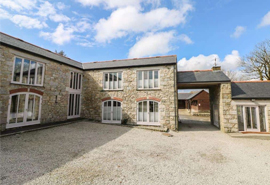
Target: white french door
<point>111,111</point>
<point>24,109</point>
<point>74,105</point>
<point>148,113</point>
<point>251,118</point>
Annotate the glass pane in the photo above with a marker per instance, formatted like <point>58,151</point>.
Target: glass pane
<point>105,109</point>
<point>145,79</point>
<point>262,118</point>
<point>76,104</point>
<point>114,80</point>
<point>26,65</point>
<point>79,99</point>
<point>69,107</point>
<point>120,80</point>
<point>240,118</point>
<point>77,80</point>
<point>72,104</point>
<point>151,111</point>
<point>71,79</point>
<point>156,79</point>
<point>248,120</point>
<point>254,117</point>
<point>114,110</point>
<point>109,110</point>
<point>32,72</point>
<point>21,108</point>
<point>80,80</point>
<point>110,81</point>
<point>30,109</point>
<point>140,79</point>
<point>119,111</point>
<point>140,111</point>
<point>13,109</point>
<point>145,111</point>
<point>151,82</point>
<point>156,111</point>
<point>17,70</point>
<point>106,81</point>
<point>39,73</point>
<point>36,108</point>
<point>74,80</point>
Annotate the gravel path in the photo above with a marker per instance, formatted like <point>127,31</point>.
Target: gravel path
<point>88,153</point>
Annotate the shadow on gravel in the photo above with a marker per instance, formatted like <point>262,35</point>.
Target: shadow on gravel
<point>27,156</point>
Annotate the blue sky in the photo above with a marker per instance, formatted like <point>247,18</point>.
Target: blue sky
<point>96,30</point>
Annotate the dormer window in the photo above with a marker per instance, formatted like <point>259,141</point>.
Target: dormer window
<point>28,72</point>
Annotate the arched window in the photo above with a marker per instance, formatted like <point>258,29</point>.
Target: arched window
<point>111,111</point>
<point>148,112</point>
<point>24,109</point>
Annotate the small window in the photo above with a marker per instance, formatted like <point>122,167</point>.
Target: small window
<point>148,79</point>
<point>75,81</point>
<point>28,72</point>
<point>113,81</point>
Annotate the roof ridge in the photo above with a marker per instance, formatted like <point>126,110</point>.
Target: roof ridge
<point>205,70</point>
<point>129,59</point>
<point>39,47</point>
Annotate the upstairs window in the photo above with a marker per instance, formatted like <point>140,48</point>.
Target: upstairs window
<point>113,81</point>
<point>148,79</point>
<point>75,81</point>
<point>28,72</point>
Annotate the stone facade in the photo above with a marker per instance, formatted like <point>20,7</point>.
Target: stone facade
<point>93,94</point>
<point>56,81</point>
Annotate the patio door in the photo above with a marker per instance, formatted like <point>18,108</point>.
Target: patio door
<point>111,111</point>
<point>24,109</point>
<point>251,118</point>
<point>148,113</point>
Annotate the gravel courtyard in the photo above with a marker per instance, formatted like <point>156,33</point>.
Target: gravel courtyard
<point>91,153</point>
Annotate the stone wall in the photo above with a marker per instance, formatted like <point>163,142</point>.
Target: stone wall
<point>93,94</point>
<point>56,81</point>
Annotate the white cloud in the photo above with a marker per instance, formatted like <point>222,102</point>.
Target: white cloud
<point>28,22</point>
<point>4,14</point>
<point>18,5</point>
<point>151,44</point>
<point>86,44</point>
<point>110,4</point>
<point>185,38</point>
<point>129,19</point>
<point>201,62</point>
<point>61,5</point>
<point>48,10</point>
<point>265,20</point>
<point>60,36</point>
<point>239,30</point>
<point>82,26</point>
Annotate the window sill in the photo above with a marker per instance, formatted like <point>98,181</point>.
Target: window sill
<point>106,90</point>
<point>148,89</point>
<point>14,83</point>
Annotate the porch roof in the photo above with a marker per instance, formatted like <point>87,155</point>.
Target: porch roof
<point>251,90</point>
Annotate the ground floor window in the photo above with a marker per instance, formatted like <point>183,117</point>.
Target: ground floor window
<point>252,118</point>
<point>111,111</point>
<point>24,109</point>
<point>74,105</point>
<point>148,113</point>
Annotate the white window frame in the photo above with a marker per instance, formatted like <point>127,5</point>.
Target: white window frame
<point>153,70</point>
<point>21,72</point>
<point>74,83</point>
<point>74,99</point>
<point>103,81</point>
<point>258,119</point>
<point>25,122</point>
<point>148,117</point>
<point>111,121</point>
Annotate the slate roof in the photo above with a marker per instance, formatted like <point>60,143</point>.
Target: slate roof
<point>18,43</point>
<point>135,62</point>
<point>188,96</point>
<point>201,76</point>
<point>251,90</point>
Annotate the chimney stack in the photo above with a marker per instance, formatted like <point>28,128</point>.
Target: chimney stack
<point>216,68</point>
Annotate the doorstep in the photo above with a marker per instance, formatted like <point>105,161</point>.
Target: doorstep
<point>251,135</point>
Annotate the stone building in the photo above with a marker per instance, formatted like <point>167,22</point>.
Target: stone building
<point>39,86</point>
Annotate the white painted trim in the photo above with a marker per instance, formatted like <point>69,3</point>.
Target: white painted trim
<point>25,122</point>
<point>111,121</point>
<point>103,80</point>
<point>258,120</point>
<point>148,123</point>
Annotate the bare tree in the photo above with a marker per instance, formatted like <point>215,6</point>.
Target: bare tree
<point>258,61</point>
<point>235,75</point>
<point>61,53</point>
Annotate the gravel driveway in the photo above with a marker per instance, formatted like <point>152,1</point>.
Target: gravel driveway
<point>90,153</point>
